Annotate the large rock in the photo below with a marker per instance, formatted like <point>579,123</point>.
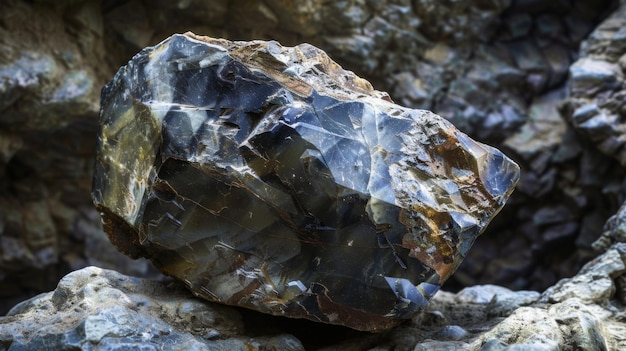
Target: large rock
<point>271,178</point>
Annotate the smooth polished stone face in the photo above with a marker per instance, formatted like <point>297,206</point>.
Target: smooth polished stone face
<point>270,178</point>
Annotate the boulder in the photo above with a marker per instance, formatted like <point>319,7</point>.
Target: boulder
<point>269,177</point>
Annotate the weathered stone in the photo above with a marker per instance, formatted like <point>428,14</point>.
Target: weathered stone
<point>519,24</point>
<point>584,324</point>
<point>573,321</point>
<point>451,332</point>
<point>49,92</point>
<point>100,309</point>
<point>41,88</point>
<point>529,327</point>
<point>529,59</point>
<point>270,178</point>
<point>614,231</point>
<point>590,77</point>
<point>595,283</point>
<point>446,20</point>
<point>559,61</point>
<point>596,103</point>
<point>497,295</point>
<point>545,128</point>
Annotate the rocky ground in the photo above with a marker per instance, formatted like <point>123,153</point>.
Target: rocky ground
<point>93,308</point>
<point>543,81</point>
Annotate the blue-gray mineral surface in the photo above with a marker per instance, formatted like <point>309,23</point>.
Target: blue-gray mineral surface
<point>270,178</point>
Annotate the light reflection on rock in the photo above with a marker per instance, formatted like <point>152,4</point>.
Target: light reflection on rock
<point>270,178</point>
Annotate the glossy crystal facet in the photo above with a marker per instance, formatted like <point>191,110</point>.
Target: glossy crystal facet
<point>270,178</point>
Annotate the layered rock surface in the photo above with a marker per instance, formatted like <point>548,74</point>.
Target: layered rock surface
<point>270,178</point>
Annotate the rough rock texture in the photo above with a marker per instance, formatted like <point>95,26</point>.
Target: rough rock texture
<point>557,204</point>
<point>497,69</point>
<point>49,92</point>
<point>96,308</point>
<point>268,177</point>
<point>614,231</point>
<point>489,66</point>
<point>596,105</point>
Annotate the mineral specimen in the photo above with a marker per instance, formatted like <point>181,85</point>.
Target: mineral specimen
<point>270,178</point>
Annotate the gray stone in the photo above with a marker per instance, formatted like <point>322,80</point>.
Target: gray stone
<point>597,94</point>
<point>527,327</point>
<point>49,87</point>
<point>558,59</point>
<point>451,332</point>
<point>519,25</point>
<point>430,345</point>
<point>528,58</point>
<point>545,128</point>
<point>590,77</point>
<point>614,231</point>
<point>485,294</point>
<point>595,282</point>
<point>582,324</point>
<point>100,309</point>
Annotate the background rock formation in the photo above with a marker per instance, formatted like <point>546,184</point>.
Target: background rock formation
<point>508,72</point>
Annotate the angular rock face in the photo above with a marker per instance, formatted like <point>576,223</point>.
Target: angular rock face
<point>270,178</point>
